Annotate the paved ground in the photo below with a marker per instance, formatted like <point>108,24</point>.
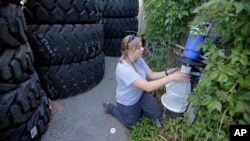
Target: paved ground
<point>81,118</point>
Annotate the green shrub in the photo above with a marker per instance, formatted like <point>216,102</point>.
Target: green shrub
<point>167,23</point>
<point>222,96</point>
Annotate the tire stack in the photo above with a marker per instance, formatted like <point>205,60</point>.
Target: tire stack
<point>24,106</point>
<point>66,37</point>
<point>119,20</point>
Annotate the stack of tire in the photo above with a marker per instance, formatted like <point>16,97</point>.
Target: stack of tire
<point>24,106</point>
<point>66,37</point>
<point>119,20</point>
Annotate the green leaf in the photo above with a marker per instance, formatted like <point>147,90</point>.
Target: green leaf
<point>209,66</point>
<point>179,16</point>
<point>239,6</point>
<point>221,53</point>
<point>221,67</point>
<point>245,30</point>
<point>214,74</point>
<point>244,61</point>
<point>246,95</point>
<point>185,13</point>
<point>214,57</point>
<point>244,104</point>
<point>223,78</point>
<point>235,59</point>
<point>206,101</point>
<point>194,99</point>
<point>230,71</point>
<point>246,116</point>
<point>243,83</point>
<point>215,105</point>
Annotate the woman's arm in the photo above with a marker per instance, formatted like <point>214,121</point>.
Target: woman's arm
<point>155,75</point>
<point>155,84</point>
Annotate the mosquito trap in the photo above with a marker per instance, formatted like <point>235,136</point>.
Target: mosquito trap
<point>175,99</point>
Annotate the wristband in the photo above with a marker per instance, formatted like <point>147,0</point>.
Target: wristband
<point>166,71</point>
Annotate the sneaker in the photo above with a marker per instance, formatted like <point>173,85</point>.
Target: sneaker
<point>105,106</point>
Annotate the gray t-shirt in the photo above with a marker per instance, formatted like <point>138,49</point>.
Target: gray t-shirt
<point>126,93</point>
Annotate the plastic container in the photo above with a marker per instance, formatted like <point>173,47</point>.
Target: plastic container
<point>174,103</point>
<point>177,92</point>
<point>190,49</point>
<point>179,88</point>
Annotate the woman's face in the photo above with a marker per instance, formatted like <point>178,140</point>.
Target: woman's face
<point>138,51</point>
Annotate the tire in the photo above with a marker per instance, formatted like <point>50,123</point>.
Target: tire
<point>36,126</point>
<point>69,80</point>
<point>5,87</point>
<point>119,27</point>
<point>4,2</point>
<point>13,26</point>
<point>120,8</point>
<point>112,47</point>
<point>62,11</point>
<point>16,64</point>
<point>17,106</point>
<point>64,44</point>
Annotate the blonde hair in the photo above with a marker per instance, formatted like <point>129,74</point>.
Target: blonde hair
<point>129,44</point>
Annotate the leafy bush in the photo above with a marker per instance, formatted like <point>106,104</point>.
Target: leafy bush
<point>222,96</point>
<point>142,130</point>
<point>167,23</point>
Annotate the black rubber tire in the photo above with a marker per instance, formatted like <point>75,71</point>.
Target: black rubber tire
<point>17,106</point>
<point>119,27</point>
<point>36,126</point>
<point>4,2</point>
<point>13,26</point>
<point>5,87</point>
<point>68,80</point>
<point>58,44</point>
<point>112,47</point>
<point>16,64</point>
<point>63,11</point>
<point>120,8</point>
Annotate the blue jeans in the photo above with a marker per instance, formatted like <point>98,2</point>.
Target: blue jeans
<point>129,115</point>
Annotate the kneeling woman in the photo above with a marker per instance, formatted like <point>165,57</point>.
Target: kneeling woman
<point>134,82</point>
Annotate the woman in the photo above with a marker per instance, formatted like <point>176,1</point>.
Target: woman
<point>133,85</point>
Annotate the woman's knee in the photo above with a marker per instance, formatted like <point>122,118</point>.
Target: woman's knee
<point>159,112</point>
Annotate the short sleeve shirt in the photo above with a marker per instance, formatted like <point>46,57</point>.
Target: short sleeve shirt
<point>126,93</point>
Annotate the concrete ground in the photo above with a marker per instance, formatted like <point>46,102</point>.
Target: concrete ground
<point>82,118</point>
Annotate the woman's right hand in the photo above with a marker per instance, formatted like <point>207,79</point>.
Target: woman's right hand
<point>177,75</point>
<point>171,70</point>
